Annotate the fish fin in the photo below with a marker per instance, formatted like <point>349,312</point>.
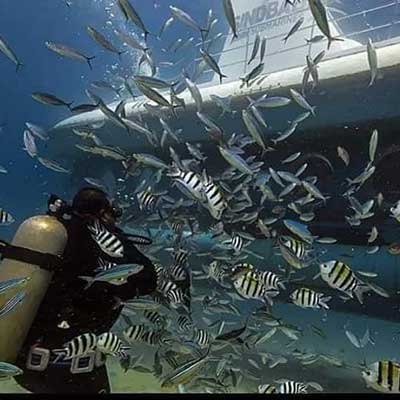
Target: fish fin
<point>360,290</point>
<point>88,60</point>
<point>88,279</point>
<point>333,39</point>
<point>378,290</point>
<point>202,32</point>
<point>120,54</point>
<point>323,302</point>
<point>117,303</point>
<point>19,66</point>
<point>69,105</point>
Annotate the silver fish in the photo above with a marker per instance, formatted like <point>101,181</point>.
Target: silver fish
<point>254,73</point>
<point>12,303</point>
<point>195,92</point>
<point>344,155</point>
<point>69,52</point>
<point>13,283</point>
<point>130,40</point>
<point>294,29</point>
<point>212,64</point>
<point>49,99</point>
<point>53,165</point>
<point>263,49</point>
<point>131,14</point>
<point>373,61</point>
<point>301,101</point>
<point>8,52</point>
<point>291,158</point>
<point>236,161</point>
<point>251,126</point>
<point>230,16</point>
<point>102,41</point>
<point>37,131</point>
<point>256,47</point>
<point>186,19</point>
<point>319,13</point>
<point>373,144</point>
<point>30,145</point>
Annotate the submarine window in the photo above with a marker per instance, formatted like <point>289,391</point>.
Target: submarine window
<point>386,178</point>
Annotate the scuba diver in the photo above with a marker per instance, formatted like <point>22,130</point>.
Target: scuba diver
<point>72,308</point>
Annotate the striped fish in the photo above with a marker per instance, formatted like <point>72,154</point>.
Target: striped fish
<point>166,286</point>
<point>178,273</point>
<point>159,273</point>
<point>294,252</point>
<point>104,265</point>
<point>271,280</point>
<point>184,324</point>
<point>107,241</point>
<point>201,337</point>
<point>110,343</point>
<point>216,272</point>
<point>5,217</point>
<point>79,346</point>
<point>177,226</point>
<point>175,297</point>
<point>249,286</point>
<point>216,203</point>
<point>341,277</point>
<point>12,304</point>
<point>267,389</point>
<point>292,387</point>
<point>236,243</point>
<point>134,333</point>
<point>147,200</point>
<point>191,181</point>
<point>155,318</point>
<point>181,257</point>
<point>152,338</point>
<point>383,376</point>
<point>307,298</point>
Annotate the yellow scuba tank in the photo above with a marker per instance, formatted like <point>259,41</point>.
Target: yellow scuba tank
<point>47,236</point>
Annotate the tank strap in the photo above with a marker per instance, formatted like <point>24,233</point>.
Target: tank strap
<point>46,261</point>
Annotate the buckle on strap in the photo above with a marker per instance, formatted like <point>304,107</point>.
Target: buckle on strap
<point>38,359</point>
<point>83,364</point>
<point>87,363</point>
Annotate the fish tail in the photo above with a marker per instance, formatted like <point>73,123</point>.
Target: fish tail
<point>204,33</point>
<point>313,110</point>
<point>323,302</point>
<point>89,281</point>
<point>88,60</point>
<point>120,54</point>
<point>377,289</point>
<point>360,290</point>
<point>19,66</point>
<point>333,39</point>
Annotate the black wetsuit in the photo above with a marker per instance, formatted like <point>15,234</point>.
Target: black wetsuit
<point>86,311</point>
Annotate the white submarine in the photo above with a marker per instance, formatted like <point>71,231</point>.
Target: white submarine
<point>343,70</point>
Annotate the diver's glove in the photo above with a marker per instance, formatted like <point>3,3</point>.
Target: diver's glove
<point>58,208</point>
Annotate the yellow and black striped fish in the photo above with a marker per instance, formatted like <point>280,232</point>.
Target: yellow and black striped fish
<point>341,277</point>
<point>383,376</point>
<point>293,251</point>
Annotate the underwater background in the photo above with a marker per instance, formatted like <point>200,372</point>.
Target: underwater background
<point>331,347</point>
